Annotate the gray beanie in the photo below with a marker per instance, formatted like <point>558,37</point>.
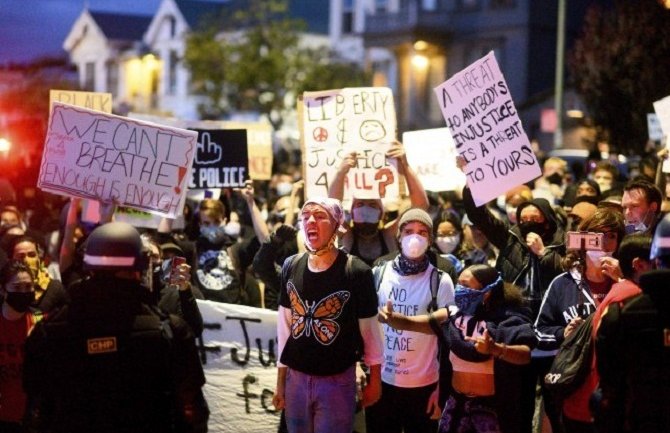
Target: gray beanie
<point>416,214</point>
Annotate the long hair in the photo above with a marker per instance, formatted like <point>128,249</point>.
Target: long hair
<point>604,219</point>
<point>502,294</point>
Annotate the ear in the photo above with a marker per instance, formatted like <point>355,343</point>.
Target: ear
<point>653,207</point>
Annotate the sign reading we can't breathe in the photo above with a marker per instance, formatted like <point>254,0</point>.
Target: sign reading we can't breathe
<point>478,108</point>
<point>99,156</point>
<point>221,159</point>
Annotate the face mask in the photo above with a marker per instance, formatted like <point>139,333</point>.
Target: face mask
<point>447,244</point>
<point>366,214</point>
<point>284,188</point>
<point>595,256</point>
<point>635,228</point>
<point>212,233</point>
<point>233,229</point>
<point>414,246</point>
<point>531,226</point>
<point>555,179</point>
<point>20,301</point>
<point>605,185</point>
<point>467,300</point>
<point>511,213</point>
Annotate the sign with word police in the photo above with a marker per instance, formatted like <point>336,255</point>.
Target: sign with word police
<point>337,122</point>
<point>238,350</point>
<point>487,131</point>
<point>100,156</point>
<point>432,155</point>
<point>221,159</point>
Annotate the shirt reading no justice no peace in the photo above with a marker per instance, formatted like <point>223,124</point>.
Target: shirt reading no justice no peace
<point>324,333</point>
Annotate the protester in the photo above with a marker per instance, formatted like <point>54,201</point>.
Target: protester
<point>632,352</point>
<point>410,370</point>
<point>489,336</point>
<point>367,239</point>
<point>17,320</point>
<point>327,307</point>
<point>574,295</point>
<point>641,202</point>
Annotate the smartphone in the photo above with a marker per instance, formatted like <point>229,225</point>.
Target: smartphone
<point>589,241</point>
<point>174,266</point>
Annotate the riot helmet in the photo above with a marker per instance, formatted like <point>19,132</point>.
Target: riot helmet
<point>660,246</point>
<point>114,246</point>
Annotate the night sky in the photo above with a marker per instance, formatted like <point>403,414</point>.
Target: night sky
<point>34,28</point>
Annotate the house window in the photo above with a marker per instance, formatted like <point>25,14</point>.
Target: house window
<point>112,77</point>
<point>502,4</point>
<point>173,26</point>
<point>172,73</point>
<point>347,16</point>
<point>89,76</point>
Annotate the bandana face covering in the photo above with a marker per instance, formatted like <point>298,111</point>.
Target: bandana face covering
<point>467,299</point>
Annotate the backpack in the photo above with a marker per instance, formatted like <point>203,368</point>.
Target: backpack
<point>435,278</point>
<point>572,363</point>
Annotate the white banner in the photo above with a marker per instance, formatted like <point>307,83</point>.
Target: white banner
<point>239,358</point>
<point>479,111</point>
<point>432,154</point>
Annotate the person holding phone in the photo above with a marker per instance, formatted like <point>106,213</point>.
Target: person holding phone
<point>576,293</point>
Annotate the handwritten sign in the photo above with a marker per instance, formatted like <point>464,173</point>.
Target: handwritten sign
<point>94,155</point>
<point>336,122</point>
<point>432,155</point>
<point>487,131</point>
<point>239,356</point>
<point>92,100</point>
<point>221,159</point>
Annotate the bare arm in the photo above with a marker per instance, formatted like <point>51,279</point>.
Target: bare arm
<point>336,189</point>
<point>417,194</point>
<point>420,323</point>
<point>294,202</point>
<point>514,354</point>
<point>66,254</point>
<point>260,227</point>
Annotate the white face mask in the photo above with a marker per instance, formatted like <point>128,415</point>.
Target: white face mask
<point>447,244</point>
<point>284,188</point>
<point>414,246</point>
<point>604,184</point>
<point>366,214</point>
<point>595,256</point>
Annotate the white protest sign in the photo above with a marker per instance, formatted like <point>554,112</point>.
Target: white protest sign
<point>487,131</point>
<point>239,360</point>
<point>432,155</point>
<point>654,127</point>
<point>100,156</point>
<point>662,109</point>
<point>337,122</point>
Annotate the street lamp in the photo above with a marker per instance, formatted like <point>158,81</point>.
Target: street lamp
<point>558,89</point>
<point>5,145</point>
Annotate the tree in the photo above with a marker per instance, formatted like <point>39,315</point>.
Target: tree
<point>262,68</point>
<point>620,67</point>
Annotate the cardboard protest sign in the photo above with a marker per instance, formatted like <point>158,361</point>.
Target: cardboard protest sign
<point>100,156</point>
<point>432,155</point>
<point>654,127</point>
<point>662,109</point>
<point>336,122</point>
<point>479,111</point>
<point>221,159</point>
<point>92,100</point>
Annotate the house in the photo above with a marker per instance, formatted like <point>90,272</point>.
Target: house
<point>138,58</point>
<point>414,45</point>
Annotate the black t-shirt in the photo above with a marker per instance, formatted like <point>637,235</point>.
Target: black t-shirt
<point>325,308</point>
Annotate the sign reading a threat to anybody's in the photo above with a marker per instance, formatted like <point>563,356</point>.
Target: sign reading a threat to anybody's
<point>487,131</point>
<point>100,156</point>
<point>337,122</point>
<point>221,160</point>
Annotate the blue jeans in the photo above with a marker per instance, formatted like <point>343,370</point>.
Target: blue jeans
<point>320,404</point>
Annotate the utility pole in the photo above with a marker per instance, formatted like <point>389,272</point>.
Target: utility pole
<point>558,88</point>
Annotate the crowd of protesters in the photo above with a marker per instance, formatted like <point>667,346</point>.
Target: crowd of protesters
<point>508,291</point>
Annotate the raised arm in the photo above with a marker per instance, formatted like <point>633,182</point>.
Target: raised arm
<point>66,254</point>
<point>336,188</point>
<point>417,194</point>
<point>260,227</point>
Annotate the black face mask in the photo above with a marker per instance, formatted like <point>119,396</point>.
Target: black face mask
<point>532,226</point>
<point>366,229</point>
<point>555,178</point>
<point>20,301</point>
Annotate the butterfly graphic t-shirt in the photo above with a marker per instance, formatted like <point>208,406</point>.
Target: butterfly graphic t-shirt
<point>324,338</point>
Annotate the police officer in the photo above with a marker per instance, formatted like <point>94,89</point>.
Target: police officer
<point>109,362</point>
<point>633,351</point>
